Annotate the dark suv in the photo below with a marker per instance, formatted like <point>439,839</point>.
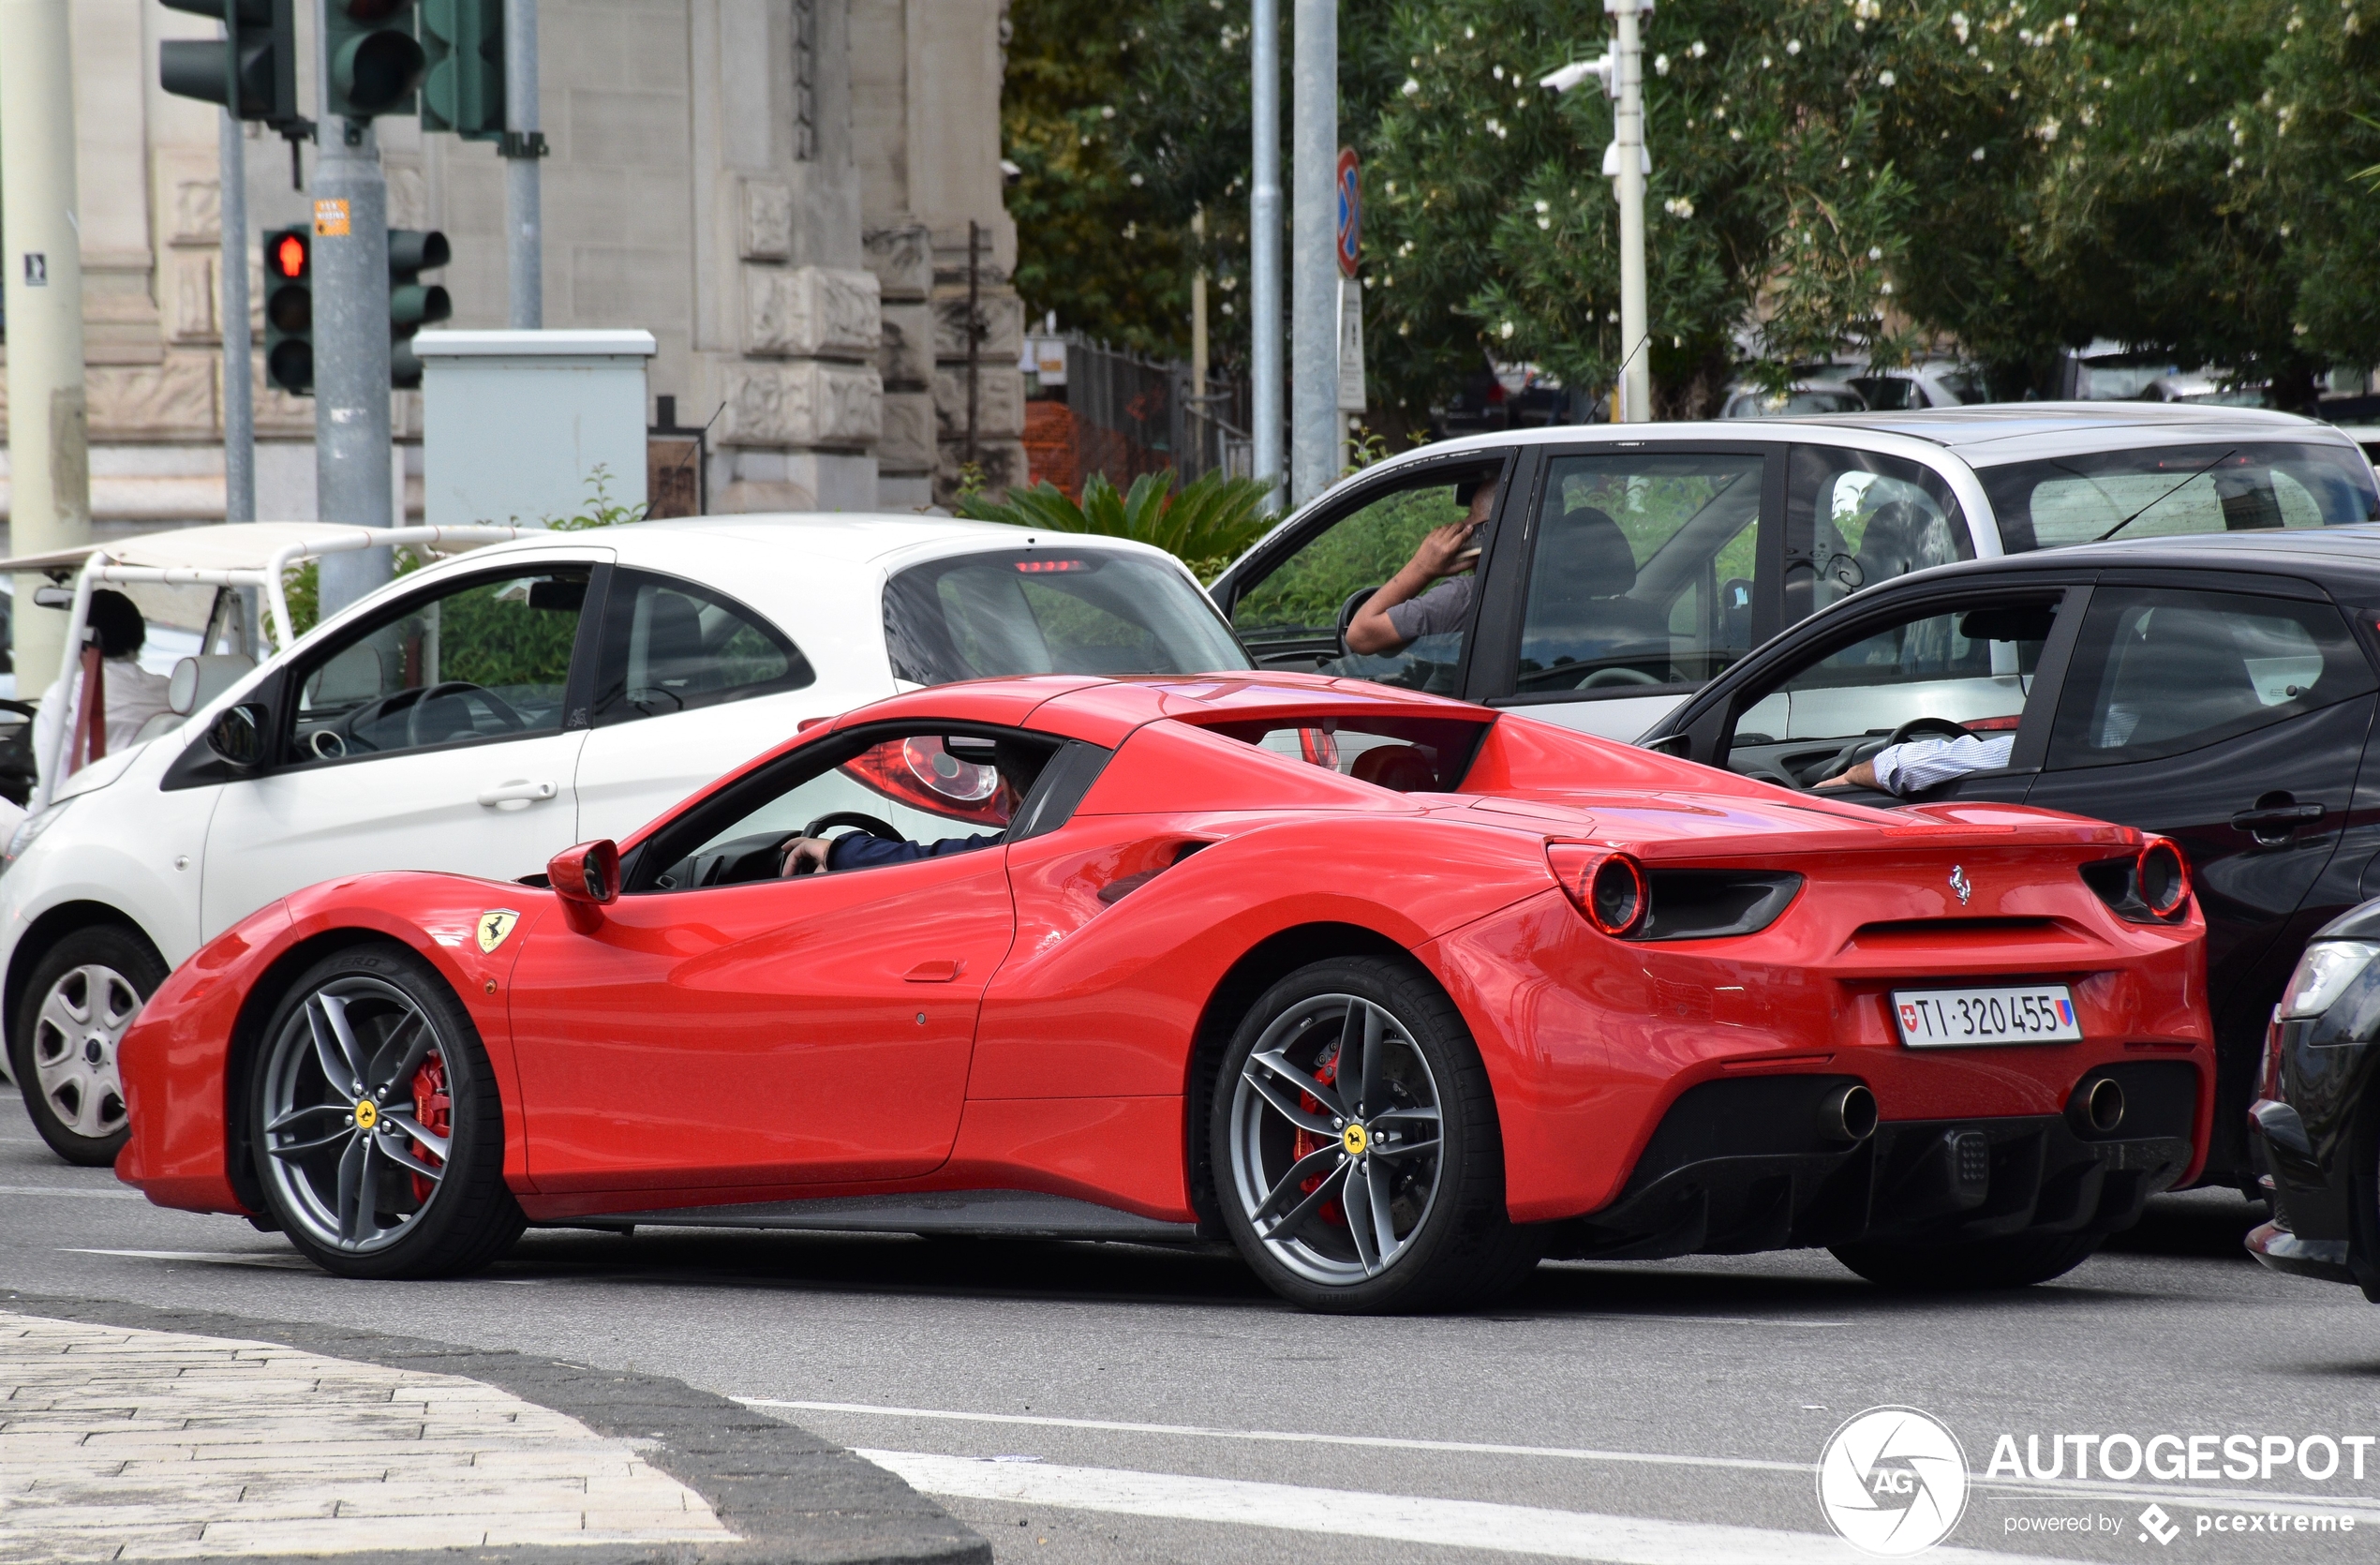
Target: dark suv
<point>2219,690</point>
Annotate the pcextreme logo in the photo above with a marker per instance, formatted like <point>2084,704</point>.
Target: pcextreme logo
<point>1892,1481</point>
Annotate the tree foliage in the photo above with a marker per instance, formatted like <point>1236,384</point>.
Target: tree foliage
<point>2201,177</point>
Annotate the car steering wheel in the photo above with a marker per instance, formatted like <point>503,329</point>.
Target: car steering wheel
<point>1352,607</point>
<point>1867,750</point>
<point>866,822</point>
<point>460,690</point>
<point>1603,679</point>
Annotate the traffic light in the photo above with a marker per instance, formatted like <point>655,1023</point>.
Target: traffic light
<point>288,309</point>
<point>463,40</point>
<point>412,302</point>
<point>251,71</point>
<point>375,61</point>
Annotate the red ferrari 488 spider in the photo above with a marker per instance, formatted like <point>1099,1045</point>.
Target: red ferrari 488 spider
<point>1399,994</point>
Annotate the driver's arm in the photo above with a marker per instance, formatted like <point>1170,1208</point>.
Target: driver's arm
<point>859,851</point>
<point>1902,769</point>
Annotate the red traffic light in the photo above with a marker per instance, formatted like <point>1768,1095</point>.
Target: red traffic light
<point>288,256</point>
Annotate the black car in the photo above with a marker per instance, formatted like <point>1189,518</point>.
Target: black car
<point>2218,690</point>
<point>2318,1112</point>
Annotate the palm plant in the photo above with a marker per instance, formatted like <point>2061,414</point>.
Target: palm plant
<point>1206,526</point>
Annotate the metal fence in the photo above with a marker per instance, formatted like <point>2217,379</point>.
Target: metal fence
<point>1127,415</point>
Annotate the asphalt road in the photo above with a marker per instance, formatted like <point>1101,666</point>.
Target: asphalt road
<point>1154,1406</point>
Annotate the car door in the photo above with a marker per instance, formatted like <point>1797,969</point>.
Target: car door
<point>1826,699</point>
<point>720,1027</point>
<point>2233,723</point>
<point>437,735</point>
<point>1290,598</point>
<point>1642,570</point>
<point>689,683</point>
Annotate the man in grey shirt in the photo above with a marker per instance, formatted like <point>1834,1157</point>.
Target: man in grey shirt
<point>1409,606</point>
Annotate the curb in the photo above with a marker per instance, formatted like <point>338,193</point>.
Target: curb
<point>791,1497</point>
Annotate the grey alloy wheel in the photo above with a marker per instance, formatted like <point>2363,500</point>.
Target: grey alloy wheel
<point>1334,1139</point>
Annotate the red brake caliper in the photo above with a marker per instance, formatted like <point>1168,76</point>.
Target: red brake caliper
<point>433,1111</point>
<point>1305,1143</point>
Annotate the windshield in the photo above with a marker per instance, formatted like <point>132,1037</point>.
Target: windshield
<point>2167,491</point>
<point>1035,611</point>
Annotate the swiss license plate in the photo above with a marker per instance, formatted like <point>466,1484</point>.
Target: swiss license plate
<point>1956,1017</point>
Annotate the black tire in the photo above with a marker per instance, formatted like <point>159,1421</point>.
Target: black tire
<point>454,1215</point>
<point>1461,1249</point>
<point>2019,1261</point>
<point>63,1048</point>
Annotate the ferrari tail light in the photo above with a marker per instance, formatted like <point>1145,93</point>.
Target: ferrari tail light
<point>2153,886</point>
<point>2162,878</point>
<point>1608,888</point>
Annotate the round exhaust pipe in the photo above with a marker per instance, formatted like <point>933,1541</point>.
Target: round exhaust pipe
<point>1847,1114</point>
<point>2103,1105</point>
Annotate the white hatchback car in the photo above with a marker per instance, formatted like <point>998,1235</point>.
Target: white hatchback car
<point>488,711</point>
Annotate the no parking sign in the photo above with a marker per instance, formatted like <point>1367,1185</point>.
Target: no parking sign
<point>1350,210</point>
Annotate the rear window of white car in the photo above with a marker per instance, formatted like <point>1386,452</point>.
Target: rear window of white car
<point>2171,491</point>
<point>1047,611</point>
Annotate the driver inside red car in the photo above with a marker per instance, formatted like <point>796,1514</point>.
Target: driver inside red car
<point>1018,767</point>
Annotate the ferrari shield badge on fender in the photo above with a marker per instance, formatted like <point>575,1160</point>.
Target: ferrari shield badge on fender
<point>495,925</point>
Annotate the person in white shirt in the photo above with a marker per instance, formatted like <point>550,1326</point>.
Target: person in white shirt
<point>133,694</point>
<point>1903,769</point>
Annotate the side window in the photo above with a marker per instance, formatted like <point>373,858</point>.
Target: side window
<point>2166,491</point>
<point>1973,666</point>
<point>1854,518</point>
<point>2158,671</point>
<point>940,793</point>
<point>1643,571</point>
<point>1292,618</point>
<point>486,659</point>
<point>670,646</point>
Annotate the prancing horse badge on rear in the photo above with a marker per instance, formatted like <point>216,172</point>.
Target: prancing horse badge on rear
<point>1958,882</point>
<point>495,925</point>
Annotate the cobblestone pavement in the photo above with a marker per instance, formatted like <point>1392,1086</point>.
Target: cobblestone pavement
<point>125,1444</point>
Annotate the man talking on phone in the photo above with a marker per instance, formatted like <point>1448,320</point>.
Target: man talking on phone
<point>1431,594</point>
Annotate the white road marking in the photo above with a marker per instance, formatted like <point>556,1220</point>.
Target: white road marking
<point>210,1258</point>
<point>1381,1442</point>
<point>2193,1496</point>
<point>1403,1518</point>
<point>70,1190</point>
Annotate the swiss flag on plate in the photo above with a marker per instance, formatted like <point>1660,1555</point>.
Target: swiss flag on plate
<point>1909,1017</point>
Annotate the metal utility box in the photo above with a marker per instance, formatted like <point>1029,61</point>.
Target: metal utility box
<point>515,425</point>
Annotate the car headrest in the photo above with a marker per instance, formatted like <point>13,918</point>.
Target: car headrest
<point>1587,554</point>
<point>197,680</point>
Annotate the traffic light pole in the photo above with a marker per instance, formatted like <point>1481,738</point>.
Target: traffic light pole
<point>351,261</point>
<point>239,391</point>
<point>1314,421</point>
<point>49,460</point>
<point>524,223</point>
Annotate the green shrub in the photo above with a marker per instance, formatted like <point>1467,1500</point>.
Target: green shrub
<point>1206,526</point>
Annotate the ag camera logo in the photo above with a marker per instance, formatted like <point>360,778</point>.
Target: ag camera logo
<point>1892,1481</point>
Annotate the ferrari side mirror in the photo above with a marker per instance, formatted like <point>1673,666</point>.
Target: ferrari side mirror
<point>588,874</point>
<point>237,735</point>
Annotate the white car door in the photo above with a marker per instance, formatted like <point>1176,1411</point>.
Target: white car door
<point>436,736</point>
<point>689,684</point>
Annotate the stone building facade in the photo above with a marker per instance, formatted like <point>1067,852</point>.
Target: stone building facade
<point>779,190</point>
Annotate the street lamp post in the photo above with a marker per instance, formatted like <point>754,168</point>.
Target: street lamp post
<point>1625,163</point>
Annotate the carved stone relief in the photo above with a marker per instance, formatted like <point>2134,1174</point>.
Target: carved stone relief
<point>149,402</point>
<point>409,195</point>
<point>808,402</point>
<point>768,221</point>
<point>191,278</point>
<point>902,258</point>
<point>1004,317</point>
<point>907,443</point>
<point>810,311</point>
<point>197,212</point>
<point>1000,401</point>
<point>907,356</point>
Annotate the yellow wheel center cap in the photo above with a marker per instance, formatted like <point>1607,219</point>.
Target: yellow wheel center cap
<point>1354,1139</point>
<point>368,1113</point>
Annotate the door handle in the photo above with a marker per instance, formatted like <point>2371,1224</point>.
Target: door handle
<point>935,972</point>
<point>519,790</point>
<point>2277,821</point>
